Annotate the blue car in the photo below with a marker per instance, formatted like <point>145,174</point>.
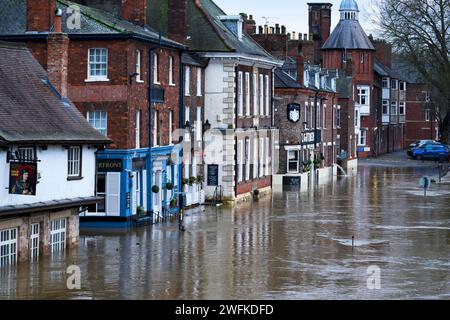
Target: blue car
<point>430,151</point>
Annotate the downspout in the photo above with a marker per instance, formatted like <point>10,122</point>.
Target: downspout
<point>181,119</point>
<point>150,162</point>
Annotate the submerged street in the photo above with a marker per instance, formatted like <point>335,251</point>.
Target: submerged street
<point>290,246</point>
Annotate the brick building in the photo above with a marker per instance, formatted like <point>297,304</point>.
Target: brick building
<point>421,122</point>
<point>379,95</point>
<point>115,62</point>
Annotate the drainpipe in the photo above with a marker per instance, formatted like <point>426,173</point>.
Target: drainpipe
<point>181,119</point>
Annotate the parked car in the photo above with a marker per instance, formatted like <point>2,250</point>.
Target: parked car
<point>420,143</point>
<point>430,151</point>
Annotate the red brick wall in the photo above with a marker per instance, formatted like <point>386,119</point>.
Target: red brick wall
<point>135,11</point>
<point>246,187</point>
<point>40,15</point>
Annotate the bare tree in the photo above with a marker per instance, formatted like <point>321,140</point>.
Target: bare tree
<point>420,32</point>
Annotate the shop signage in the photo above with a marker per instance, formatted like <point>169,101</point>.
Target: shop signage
<point>109,165</point>
<point>213,175</point>
<point>308,137</point>
<point>23,178</point>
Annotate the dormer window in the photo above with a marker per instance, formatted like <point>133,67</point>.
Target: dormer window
<point>235,24</point>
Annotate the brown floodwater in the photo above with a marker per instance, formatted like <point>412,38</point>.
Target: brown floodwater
<point>289,246</point>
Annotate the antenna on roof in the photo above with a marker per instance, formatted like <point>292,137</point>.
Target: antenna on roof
<point>268,19</point>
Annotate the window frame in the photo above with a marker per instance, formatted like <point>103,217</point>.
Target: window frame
<point>139,66</point>
<point>289,161</point>
<point>155,70</point>
<point>199,82</point>
<point>74,176</point>
<point>95,78</point>
<point>362,136</point>
<point>92,121</point>
<point>240,94</point>
<point>10,256</point>
<point>247,94</point>
<point>187,81</point>
<point>360,95</point>
<point>171,74</point>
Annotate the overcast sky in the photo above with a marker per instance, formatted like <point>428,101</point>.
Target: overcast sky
<point>294,13</point>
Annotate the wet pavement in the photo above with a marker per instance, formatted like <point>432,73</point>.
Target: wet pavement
<point>289,246</point>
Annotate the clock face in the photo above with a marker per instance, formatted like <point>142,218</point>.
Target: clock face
<point>294,115</point>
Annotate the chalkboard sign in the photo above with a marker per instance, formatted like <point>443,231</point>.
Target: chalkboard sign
<point>291,181</point>
<point>213,175</point>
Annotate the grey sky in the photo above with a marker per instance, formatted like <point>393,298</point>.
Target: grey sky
<point>294,13</point>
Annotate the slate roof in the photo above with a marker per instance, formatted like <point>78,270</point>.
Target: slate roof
<point>285,81</point>
<point>31,110</point>
<point>192,59</point>
<point>407,71</point>
<point>209,34</point>
<point>13,21</point>
<point>384,71</point>
<point>348,34</point>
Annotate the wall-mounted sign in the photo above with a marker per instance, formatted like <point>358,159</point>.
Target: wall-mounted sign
<point>23,178</point>
<point>109,165</point>
<point>138,164</point>
<point>309,137</point>
<point>293,112</point>
<point>213,175</point>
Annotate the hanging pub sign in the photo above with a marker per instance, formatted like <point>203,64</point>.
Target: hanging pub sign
<point>23,178</point>
<point>109,165</point>
<point>293,112</point>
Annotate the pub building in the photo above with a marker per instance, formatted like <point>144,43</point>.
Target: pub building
<point>47,160</point>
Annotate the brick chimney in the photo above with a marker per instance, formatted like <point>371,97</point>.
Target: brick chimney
<point>250,25</point>
<point>58,57</point>
<point>300,64</point>
<point>177,20</point>
<point>40,15</point>
<point>135,11</point>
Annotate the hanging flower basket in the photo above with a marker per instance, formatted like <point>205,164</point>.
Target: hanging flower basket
<point>200,179</point>
<point>192,180</point>
<point>185,181</point>
<point>169,185</point>
<point>155,189</point>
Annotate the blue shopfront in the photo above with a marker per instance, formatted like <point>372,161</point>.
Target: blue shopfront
<point>136,186</point>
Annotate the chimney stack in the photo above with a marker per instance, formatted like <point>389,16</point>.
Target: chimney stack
<point>177,20</point>
<point>250,25</point>
<point>277,28</point>
<point>300,64</point>
<point>283,30</point>
<point>58,56</point>
<point>40,15</point>
<point>261,30</point>
<point>135,11</point>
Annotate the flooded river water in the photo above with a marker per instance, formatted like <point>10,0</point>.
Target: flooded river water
<point>289,246</point>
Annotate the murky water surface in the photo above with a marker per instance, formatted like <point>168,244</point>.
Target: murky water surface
<point>291,246</point>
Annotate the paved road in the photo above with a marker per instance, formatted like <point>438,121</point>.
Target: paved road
<point>396,160</point>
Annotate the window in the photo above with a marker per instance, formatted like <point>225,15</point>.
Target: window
<point>255,94</point>
<point>58,235</point>
<point>362,137</point>
<point>385,105</point>
<point>362,58</point>
<point>247,159</point>
<point>187,76</point>
<point>171,82</point>
<point>385,83</point>
<point>187,112</point>
<point>155,68</point>
<point>138,66</point>
<point>170,127</point>
<point>101,191</point>
<point>199,125</point>
<point>293,157</point>
<point>402,86</point>
<point>8,247</point>
<point>138,130</point>
<point>98,64</point>
<point>324,116</point>
<point>401,108</point>
<point>74,161</point>
<point>394,84</point>
<point>255,158</point>
<point>267,96</point>
<point>239,95</point>
<point>199,82</point>
<point>261,95</point>
<point>97,120</point>
<point>261,157</point>
<point>338,117</point>
<point>394,108</point>
<point>266,156</point>
<point>247,94</point>
<point>155,128</point>
<point>240,155</point>
<point>363,96</point>
<point>26,153</point>
<point>34,241</point>
<point>427,115</point>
